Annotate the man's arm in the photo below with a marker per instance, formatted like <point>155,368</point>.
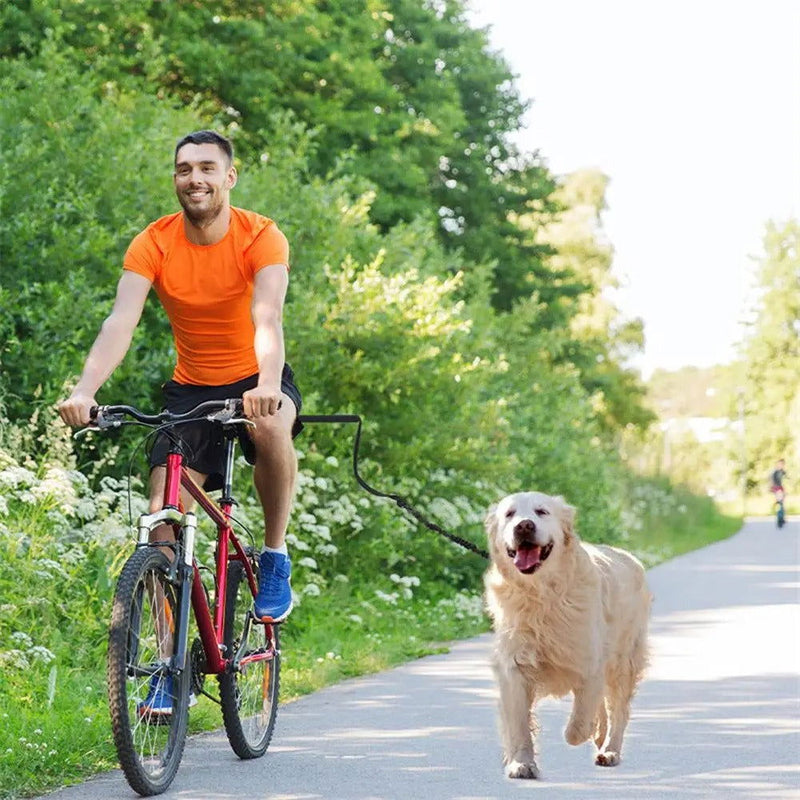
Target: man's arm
<point>269,294</point>
<point>109,347</point>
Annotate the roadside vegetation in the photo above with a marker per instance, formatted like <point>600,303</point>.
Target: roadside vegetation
<point>445,286</point>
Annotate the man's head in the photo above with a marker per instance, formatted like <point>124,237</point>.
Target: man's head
<point>204,175</point>
<point>780,463</point>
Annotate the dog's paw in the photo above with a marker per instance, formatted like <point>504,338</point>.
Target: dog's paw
<point>607,759</point>
<point>522,769</point>
<point>577,733</point>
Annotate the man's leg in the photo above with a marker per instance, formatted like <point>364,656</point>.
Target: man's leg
<point>158,477</point>
<point>274,476</point>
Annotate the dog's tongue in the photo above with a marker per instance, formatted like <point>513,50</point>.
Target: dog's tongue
<point>527,557</point>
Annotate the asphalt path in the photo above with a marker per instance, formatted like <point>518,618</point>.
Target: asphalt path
<point>718,715</point>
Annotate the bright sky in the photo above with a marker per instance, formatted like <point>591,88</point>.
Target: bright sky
<point>692,108</point>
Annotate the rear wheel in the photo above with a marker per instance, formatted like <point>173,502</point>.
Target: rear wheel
<point>249,691</point>
<point>148,701</point>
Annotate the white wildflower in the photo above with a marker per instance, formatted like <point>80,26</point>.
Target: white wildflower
<point>15,476</point>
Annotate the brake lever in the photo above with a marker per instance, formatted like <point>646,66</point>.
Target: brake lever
<point>100,420</point>
<point>226,417</point>
<point>242,421</point>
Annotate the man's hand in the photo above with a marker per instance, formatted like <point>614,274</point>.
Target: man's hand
<point>75,409</point>
<point>263,401</point>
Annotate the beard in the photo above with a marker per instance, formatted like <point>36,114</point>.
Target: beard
<point>201,215</point>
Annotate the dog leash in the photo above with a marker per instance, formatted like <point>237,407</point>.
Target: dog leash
<point>396,498</point>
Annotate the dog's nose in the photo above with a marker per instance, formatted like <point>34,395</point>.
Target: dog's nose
<point>525,528</point>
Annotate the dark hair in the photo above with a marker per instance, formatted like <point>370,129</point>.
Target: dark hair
<point>206,137</point>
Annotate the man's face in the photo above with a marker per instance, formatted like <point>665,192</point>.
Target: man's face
<point>203,180</point>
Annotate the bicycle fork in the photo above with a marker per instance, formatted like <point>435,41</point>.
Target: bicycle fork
<point>183,570</point>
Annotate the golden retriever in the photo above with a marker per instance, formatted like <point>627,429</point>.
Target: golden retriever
<point>568,617</point>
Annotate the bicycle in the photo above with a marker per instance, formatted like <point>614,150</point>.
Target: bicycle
<point>148,647</point>
<point>780,512</point>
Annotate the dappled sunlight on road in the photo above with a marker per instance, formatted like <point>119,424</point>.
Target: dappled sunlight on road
<point>682,642</point>
<point>406,733</point>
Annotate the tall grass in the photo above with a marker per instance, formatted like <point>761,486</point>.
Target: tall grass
<point>661,521</point>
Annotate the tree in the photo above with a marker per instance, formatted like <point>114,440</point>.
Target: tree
<point>402,93</point>
<point>600,341</point>
<point>772,354</point>
<point>76,187</point>
<point>363,126</point>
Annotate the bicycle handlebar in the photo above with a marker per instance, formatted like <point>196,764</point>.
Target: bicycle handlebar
<point>224,411</point>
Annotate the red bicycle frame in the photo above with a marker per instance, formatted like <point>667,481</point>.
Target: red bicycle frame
<point>229,548</point>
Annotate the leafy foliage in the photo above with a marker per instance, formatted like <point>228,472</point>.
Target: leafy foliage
<point>601,339</point>
<point>390,314</point>
<point>403,94</point>
<point>76,187</point>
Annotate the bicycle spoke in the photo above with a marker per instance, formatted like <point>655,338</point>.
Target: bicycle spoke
<point>249,692</point>
<point>148,701</point>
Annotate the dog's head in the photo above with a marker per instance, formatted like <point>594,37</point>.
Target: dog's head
<point>525,529</point>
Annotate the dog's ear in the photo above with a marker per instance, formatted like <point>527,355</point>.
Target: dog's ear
<point>566,514</point>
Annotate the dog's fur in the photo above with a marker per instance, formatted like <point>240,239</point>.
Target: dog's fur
<point>568,617</point>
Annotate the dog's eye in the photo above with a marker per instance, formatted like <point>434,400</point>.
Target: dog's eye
<point>510,513</point>
<point>542,512</point>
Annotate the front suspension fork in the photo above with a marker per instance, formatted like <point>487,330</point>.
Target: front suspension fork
<point>183,572</point>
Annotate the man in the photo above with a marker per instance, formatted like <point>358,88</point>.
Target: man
<point>777,476</point>
<point>221,274</point>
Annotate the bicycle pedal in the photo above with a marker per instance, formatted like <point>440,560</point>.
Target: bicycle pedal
<point>264,620</point>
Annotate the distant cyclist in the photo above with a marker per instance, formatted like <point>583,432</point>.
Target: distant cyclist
<point>778,491</point>
<point>776,478</point>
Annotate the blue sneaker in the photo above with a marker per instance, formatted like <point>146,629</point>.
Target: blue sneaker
<point>158,703</point>
<point>274,599</point>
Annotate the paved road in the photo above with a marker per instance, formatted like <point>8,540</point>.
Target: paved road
<point>718,716</point>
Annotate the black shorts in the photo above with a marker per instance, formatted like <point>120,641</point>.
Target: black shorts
<point>203,442</point>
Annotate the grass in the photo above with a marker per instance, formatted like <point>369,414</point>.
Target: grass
<point>761,506</point>
<point>54,726</point>
<point>666,521</point>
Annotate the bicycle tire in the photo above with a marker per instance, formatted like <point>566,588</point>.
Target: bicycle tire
<point>149,746</point>
<point>248,696</point>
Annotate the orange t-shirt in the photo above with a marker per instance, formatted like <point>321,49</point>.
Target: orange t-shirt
<point>207,291</point>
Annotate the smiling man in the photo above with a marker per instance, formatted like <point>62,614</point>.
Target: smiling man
<point>221,274</point>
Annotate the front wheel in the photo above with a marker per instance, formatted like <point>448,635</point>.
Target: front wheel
<point>148,699</point>
<point>249,690</point>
